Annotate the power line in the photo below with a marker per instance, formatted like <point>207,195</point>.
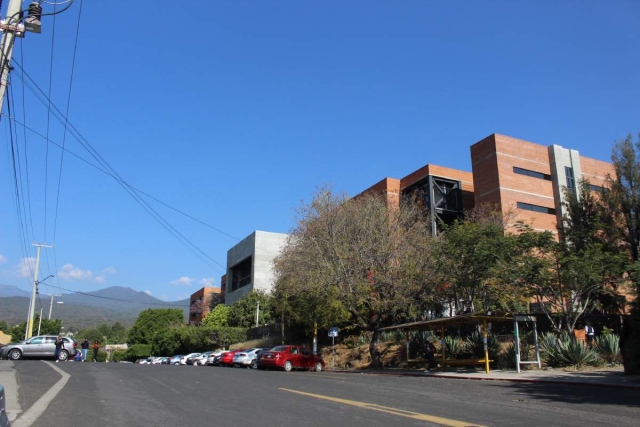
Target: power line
<point>120,300</point>
<point>150,210</point>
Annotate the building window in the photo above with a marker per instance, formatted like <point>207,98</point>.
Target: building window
<point>536,208</point>
<point>241,274</point>
<point>596,188</point>
<point>571,182</point>
<point>532,174</point>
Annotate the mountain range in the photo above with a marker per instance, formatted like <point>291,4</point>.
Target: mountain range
<point>87,309</point>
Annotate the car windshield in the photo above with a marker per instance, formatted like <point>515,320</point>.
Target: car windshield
<point>279,348</point>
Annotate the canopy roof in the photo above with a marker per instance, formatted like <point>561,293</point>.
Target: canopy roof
<point>464,319</point>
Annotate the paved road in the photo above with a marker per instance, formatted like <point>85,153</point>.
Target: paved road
<point>113,394</point>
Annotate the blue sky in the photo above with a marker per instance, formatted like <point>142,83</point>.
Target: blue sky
<point>235,112</point>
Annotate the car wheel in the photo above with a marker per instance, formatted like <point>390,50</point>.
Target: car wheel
<point>288,366</point>
<point>254,364</point>
<point>15,354</point>
<point>63,356</point>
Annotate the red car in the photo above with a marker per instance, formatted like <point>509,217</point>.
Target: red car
<point>226,359</point>
<point>290,357</point>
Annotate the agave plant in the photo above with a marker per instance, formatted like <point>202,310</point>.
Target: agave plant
<point>551,349</point>
<point>453,346</point>
<point>575,353</point>
<point>608,346</point>
<point>475,345</point>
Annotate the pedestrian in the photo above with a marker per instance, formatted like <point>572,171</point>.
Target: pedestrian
<point>589,333</point>
<point>431,352</point>
<point>59,346</point>
<point>85,349</point>
<point>96,347</point>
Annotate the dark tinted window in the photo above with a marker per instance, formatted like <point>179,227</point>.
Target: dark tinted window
<point>531,173</point>
<point>571,182</point>
<point>596,188</point>
<point>536,208</point>
<point>279,348</point>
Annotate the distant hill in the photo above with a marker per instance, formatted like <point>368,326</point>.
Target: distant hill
<point>109,305</point>
<point>12,291</point>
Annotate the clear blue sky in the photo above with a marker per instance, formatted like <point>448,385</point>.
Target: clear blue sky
<point>235,112</point>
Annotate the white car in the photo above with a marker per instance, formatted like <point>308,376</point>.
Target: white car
<point>183,359</point>
<point>202,359</point>
<point>247,358</point>
<point>212,356</point>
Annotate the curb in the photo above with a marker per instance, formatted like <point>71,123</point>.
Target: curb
<point>514,380</point>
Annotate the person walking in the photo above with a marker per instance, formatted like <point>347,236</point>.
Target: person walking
<point>431,352</point>
<point>59,346</point>
<point>589,333</point>
<point>85,349</point>
<point>96,347</point>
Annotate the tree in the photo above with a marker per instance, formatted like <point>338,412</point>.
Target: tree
<point>621,204</point>
<point>469,257</point>
<point>218,317</point>
<point>151,321</point>
<point>242,313</point>
<point>566,277</point>
<point>356,262</point>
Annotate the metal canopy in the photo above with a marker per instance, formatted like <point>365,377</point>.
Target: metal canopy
<point>463,319</point>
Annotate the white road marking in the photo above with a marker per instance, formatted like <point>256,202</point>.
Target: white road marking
<point>29,416</point>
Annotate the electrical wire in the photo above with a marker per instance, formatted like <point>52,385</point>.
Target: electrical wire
<point>123,182</point>
<point>64,138</point>
<point>121,300</point>
<point>42,97</point>
<point>46,156</point>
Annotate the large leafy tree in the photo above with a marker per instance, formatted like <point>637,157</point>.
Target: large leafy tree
<point>151,321</point>
<point>218,317</point>
<point>567,276</point>
<point>243,312</point>
<point>622,216</point>
<point>469,257</point>
<point>356,262</point>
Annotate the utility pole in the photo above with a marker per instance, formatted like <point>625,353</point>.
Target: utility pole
<point>12,27</point>
<point>51,304</point>
<point>34,291</point>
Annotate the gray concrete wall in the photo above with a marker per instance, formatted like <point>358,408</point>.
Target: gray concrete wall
<point>263,247</point>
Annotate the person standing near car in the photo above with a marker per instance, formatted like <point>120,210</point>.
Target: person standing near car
<point>85,349</point>
<point>96,347</point>
<point>59,346</point>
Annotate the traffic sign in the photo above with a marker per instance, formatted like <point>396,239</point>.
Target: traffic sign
<point>333,332</point>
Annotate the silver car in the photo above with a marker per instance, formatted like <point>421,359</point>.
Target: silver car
<point>247,358</point>
<point>39,346</point>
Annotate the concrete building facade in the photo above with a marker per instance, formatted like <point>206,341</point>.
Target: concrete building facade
<point>250,264</point>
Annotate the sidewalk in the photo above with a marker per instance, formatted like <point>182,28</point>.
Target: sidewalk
<point>613,377</point>
<point>9,381</point>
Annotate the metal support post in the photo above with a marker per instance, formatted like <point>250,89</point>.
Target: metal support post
<point>10,29</point>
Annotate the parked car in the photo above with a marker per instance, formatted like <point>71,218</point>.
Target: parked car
<point>248,358</point>
<point>4,418</point>
<point>290,357</point>
<point>183,359</point>
<point>214,358</point>
<point>39,346</point>
<point>226,358</point>
<point>158,360</point>
<point>202,359</point>
<point>175,360</point>
<point>192,358</point>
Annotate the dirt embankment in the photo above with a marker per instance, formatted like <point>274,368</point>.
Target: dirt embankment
<point>392,355</point>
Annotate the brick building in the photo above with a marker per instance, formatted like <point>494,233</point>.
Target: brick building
<point>201,301</point>
<point>514,175</point>
<point>528,178</point>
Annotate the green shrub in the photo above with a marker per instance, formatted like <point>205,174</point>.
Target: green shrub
<point>118,356</point>
<point>474,345</point>
<point>453,346</point>
<point>608,346</point>
<point>138,351</point>
<point>565,350</point>
<point>575,353</point>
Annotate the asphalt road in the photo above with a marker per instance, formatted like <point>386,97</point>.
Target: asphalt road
<point>99,394</point>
